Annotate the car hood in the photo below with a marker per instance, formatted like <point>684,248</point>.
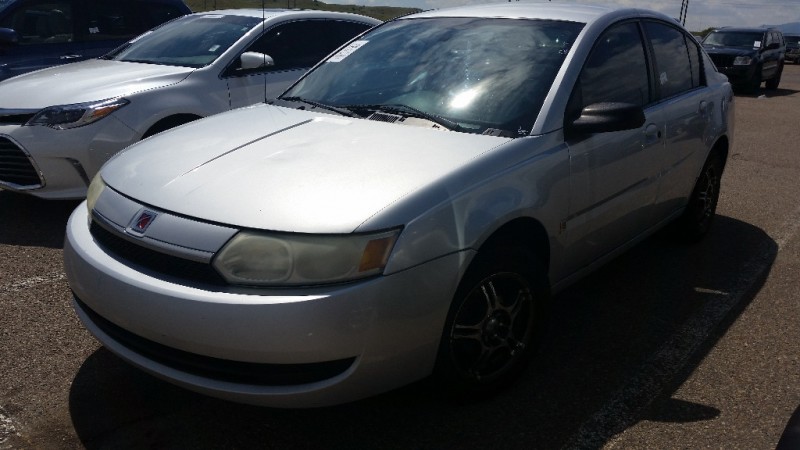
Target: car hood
<point>85,81</point>
<point>281,169</point>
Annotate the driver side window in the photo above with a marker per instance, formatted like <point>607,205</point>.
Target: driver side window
<point>615,71</point>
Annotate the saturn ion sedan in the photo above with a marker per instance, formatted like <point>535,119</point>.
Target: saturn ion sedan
<point>59,125</point>
<point>406,209</point>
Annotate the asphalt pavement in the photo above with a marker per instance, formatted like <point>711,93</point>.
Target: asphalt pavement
<point>669,346</point>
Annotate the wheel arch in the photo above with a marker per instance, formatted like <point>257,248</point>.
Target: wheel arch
<point>525,232</point>
<point>169,122</point>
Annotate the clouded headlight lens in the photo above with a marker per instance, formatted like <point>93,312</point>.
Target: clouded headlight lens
<point>72,116</point>
<point>93,193</point>
<point>262,259</point>
<point>742,61</point>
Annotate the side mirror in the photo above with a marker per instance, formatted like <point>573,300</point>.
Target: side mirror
<point>8,37</point>
<point>606,117</point>
<point>255,60</point>
<point>773,46</point>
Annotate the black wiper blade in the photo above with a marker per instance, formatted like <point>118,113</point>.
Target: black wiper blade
<point>409,111</point>
<point>342,111</point>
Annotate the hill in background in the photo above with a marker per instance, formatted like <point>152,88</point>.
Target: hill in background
<point>378,12</point>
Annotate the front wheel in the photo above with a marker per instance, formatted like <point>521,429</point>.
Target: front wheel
<point>493,325</point>
<point>696,220</point>
<point>754,83</point>
<point>773,83</point>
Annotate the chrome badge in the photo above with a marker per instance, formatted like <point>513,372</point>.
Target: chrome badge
<point>141,222</point>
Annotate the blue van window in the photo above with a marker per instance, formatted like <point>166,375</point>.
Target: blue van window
<point>42,22</point>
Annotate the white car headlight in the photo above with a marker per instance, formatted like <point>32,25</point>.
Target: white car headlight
<point>72,116</point>
<point>273,259</point>
<point>742,61</point>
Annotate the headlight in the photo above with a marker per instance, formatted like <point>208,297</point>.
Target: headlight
<point>93,193</point>
<point>266,259</point>
<point>742,61</point>
<point>77,115</point>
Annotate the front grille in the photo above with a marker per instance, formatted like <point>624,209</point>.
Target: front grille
<point>15,119</point>
<point>722,60</point>
<point>220,369</point>
<point>15,167</point>
<point>180,270</point>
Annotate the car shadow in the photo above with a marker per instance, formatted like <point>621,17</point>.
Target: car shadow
<point>32,222</point>
<point>618,344</point>
<point>780,92</point>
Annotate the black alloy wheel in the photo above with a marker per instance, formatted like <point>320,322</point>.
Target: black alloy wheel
<point>493,325</point>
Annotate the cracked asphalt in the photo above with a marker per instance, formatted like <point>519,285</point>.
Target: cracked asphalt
<point>669,346</point>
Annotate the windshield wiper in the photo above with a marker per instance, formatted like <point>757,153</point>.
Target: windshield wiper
<point>409,111</point>
<point>342,111</point>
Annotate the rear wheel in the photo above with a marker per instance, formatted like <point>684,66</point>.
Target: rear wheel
<point>696,220</point>
<point>494,324</point>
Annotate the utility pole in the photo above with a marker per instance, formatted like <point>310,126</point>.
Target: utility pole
<point>684,11</point>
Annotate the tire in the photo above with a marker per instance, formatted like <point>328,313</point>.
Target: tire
<point>494,324</point>
<point>754,83</point>
<point>772,84</point>
<point>696,220</point>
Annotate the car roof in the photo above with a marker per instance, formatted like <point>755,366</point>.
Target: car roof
<point>547,11</point>
<point>276,12</point>
<point>747,29</point>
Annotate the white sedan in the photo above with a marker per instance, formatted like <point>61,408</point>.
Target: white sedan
<point>406,208</point>
<point>59,125</point>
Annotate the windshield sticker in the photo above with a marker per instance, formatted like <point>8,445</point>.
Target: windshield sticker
<point>756,44</point>
<point>347,51</point>
<point>663,78</point>
<point>213,48</point>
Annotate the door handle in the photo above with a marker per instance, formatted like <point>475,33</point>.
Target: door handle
<point>652,134</point>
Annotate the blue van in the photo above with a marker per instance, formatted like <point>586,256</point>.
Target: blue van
<point>40,33</point>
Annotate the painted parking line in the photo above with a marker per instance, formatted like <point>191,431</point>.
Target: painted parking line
<point>29,282</point>
<point>6,428</point>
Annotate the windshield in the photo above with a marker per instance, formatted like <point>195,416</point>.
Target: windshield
<point>191,41</point>
<point>792,41</point>
<point>735,39</point>
<point>480,75</point>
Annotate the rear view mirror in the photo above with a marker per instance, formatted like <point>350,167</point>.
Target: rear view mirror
<point>8,36</point>
<point>608,116</point>
<point>255,60</point>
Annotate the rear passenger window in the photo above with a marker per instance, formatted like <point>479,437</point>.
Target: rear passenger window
<point>674,73</point>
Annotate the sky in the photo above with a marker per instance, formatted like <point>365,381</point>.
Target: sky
<point>702,14</point>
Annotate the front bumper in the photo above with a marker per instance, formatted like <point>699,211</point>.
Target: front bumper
<point>739,74</point>
<point>338,343</point>
<point>58,164</point>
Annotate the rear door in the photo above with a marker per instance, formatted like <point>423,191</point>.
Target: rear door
<point>688,106</point>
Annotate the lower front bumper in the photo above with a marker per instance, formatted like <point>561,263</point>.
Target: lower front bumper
<point>282,348</point>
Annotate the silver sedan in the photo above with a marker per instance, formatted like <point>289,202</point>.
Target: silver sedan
<point>59,125</point>
<point>406,209</point>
